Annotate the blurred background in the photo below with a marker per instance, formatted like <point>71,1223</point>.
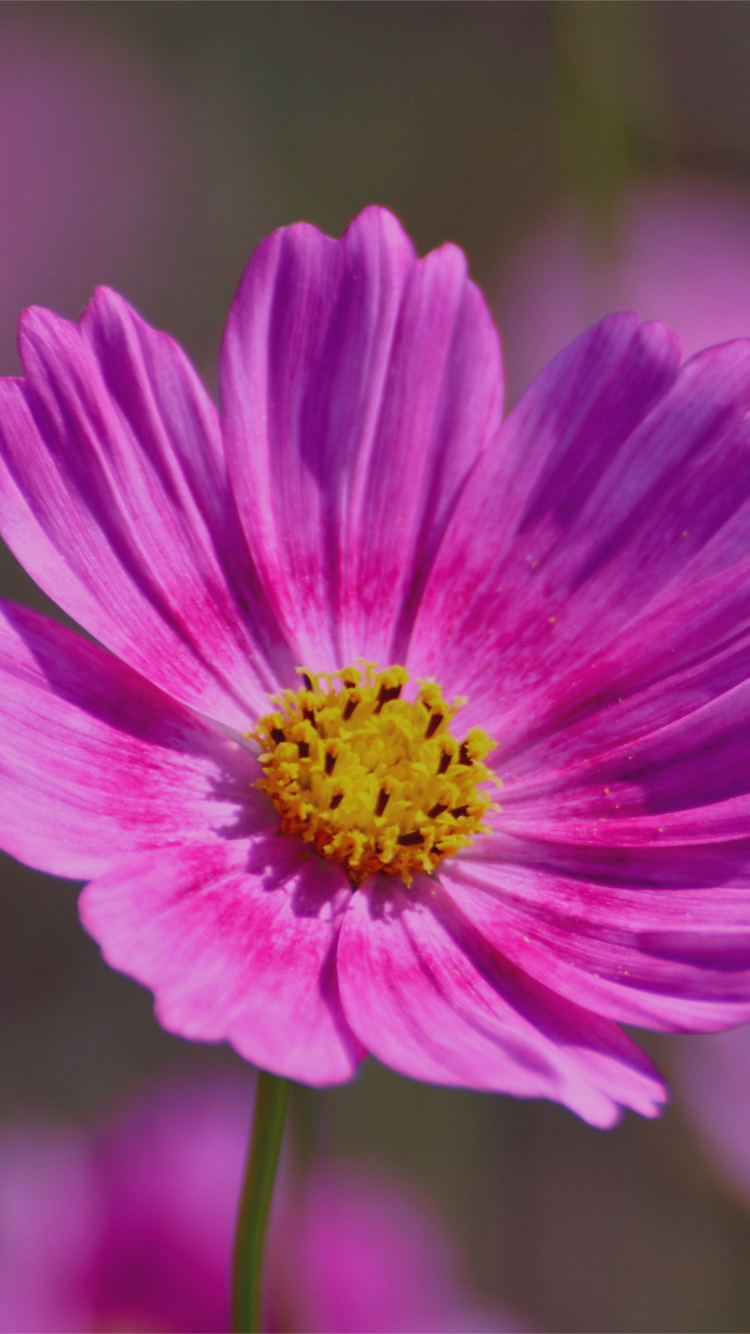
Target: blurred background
<point>588,157</point>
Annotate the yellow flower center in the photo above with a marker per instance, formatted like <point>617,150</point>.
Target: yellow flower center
<point>371,780</point>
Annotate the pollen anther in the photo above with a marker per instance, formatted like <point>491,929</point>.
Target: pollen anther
<point>399,804</point>
<point>433,725</point>
<point>383,797</point>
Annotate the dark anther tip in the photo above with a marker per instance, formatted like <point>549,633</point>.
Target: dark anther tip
<point>383,799</point>
<point>306,681</point>
<point>433,725</point>
<point>336,800</point>
<point>277,735</point>
<point>410,840</point>
<point>436,810</point>
<point>304,749</point>
<point>330,761</point>
<point>463,755</point>
<point>385,696</point>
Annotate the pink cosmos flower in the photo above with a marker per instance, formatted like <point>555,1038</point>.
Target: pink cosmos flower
<point>132,1229</point>
<point>579,575</point>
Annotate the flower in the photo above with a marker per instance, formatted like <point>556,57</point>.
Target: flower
<point>362,1252</point>
<point>131,1228</point>
<point>576,581</point>
<point>680,251</point>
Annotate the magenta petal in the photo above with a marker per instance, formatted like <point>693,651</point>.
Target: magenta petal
<point>658,938</point>
<point>609,506</point>
<point>428,995</point>
<point>114,496</point>
<point>663,673</point>
<point>238,942</point>
<point>359,386</point>
<point>686,782</point>
<point>670,583</point>
<point>530,488</point>
<point>97,763</point>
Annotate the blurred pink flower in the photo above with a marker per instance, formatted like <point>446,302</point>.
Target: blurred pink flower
<point>680,253</point>
<point>91,165</point>
<point>131,1230</point>
<point>364,1253</point>
<point>578,577</point>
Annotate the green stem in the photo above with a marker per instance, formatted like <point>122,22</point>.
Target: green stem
<point>271,1099</point>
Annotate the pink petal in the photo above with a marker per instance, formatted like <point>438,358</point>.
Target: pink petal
<point>686,782</point>
<point>113,495</point>
<point>649,937</point>
<point>360,385</point>
<point>428,995</point>
<point>97,763</point>
<point>681,551</point>
<point>688,648</point>
<point>580,517</point>
<point>238,942</point>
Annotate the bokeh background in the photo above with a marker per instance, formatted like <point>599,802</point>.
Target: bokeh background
<point>587,156</point>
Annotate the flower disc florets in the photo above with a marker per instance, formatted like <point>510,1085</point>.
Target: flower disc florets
<point>371,780</point>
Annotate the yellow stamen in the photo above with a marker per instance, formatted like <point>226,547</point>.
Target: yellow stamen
<point>369,779</point>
